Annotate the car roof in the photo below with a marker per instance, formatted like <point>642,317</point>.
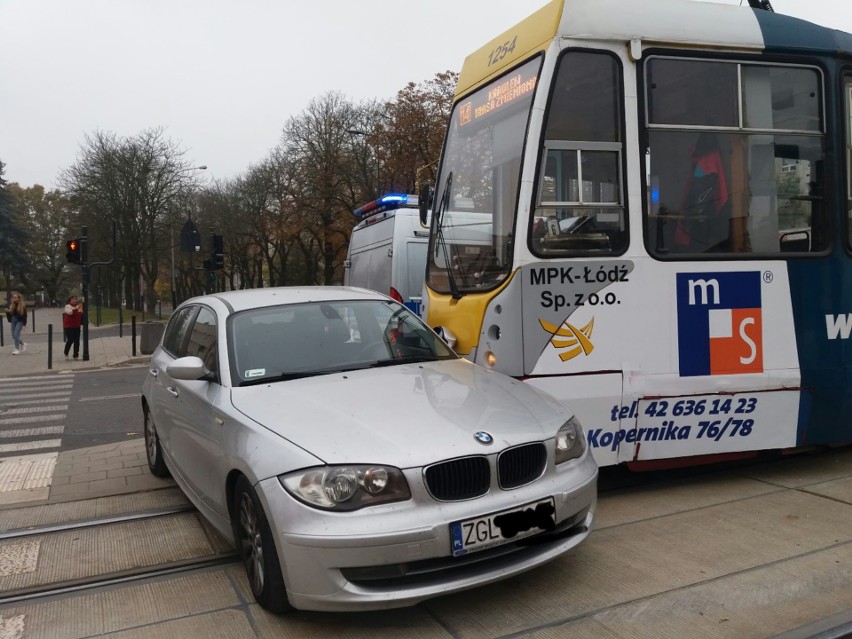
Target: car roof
<point>263,297</point>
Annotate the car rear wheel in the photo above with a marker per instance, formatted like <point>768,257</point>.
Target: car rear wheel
<point>257,549</point>
<point>156,463</point>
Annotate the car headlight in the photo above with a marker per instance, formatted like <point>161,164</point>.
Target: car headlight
<point>570,442</point>
<point>347,487</point>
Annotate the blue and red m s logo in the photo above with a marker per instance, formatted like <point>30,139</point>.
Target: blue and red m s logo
<point>719,323</point>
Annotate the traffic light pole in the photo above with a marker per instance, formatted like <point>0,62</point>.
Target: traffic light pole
<point>84,251</point>
<point>84,288</point>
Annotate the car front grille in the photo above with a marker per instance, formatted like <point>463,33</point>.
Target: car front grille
<point>458,479</point>
<point>522,465</point>
<point>470,477</point>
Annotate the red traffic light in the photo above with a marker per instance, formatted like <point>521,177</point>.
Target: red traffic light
<point>73,252</point>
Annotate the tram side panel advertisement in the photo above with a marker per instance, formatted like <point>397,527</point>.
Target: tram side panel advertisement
<point>695,362</point>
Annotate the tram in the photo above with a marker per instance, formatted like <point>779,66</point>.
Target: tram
<point>644,209</point>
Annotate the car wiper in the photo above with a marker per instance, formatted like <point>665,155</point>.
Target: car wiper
<point>300,374</point>
<point>283,377</point>
<point>413,359</point>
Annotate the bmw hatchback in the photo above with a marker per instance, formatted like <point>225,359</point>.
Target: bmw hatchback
<point>355,461</point>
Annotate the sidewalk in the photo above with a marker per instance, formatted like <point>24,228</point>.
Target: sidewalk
<point>106,349</point>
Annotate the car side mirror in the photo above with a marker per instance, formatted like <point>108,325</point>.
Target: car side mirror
<point>424,202</point>
<point>446,335</point>
<point>188,368</point>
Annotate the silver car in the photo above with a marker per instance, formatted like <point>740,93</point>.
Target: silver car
<point>355,461</point>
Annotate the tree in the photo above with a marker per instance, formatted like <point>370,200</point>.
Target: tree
<point>14,260</point>
<point>139,182</point>
<point>413,132</point>
<point>319,144</point>
<point>286,220</point>
<point>47,216</point>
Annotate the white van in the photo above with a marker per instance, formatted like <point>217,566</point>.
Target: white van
<point>387,249</point>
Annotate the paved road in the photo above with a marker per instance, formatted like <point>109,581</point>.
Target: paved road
<point>755,551</point>
<point>51,413</point>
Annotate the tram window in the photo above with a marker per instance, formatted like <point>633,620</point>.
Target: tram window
<point>580,200</point>
<point>754,187</point>
<point>780,98</point>
<point>692,92</point>
<point>585,104</point>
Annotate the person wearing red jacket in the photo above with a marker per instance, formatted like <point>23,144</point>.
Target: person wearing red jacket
<point>72,319</point>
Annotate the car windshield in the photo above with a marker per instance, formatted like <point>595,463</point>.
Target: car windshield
<point>317,338</point>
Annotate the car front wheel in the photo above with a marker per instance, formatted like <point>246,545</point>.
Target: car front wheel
<point>257,549</point>
<point>153,452</point>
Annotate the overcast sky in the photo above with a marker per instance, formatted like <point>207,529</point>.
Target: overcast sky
<point>222,76</point>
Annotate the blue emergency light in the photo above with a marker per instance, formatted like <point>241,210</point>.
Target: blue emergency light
<point>385,203</point>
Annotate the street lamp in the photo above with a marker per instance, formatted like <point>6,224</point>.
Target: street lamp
<point>203,167</point>
<point>375,152</point>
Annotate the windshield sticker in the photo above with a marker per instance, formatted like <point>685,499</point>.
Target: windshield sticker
<point>254,372</point>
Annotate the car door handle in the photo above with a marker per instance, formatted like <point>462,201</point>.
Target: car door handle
<point>153,372</point>
<point>172,391</point>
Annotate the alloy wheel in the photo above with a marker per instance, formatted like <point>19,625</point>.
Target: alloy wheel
<point>251,543</point>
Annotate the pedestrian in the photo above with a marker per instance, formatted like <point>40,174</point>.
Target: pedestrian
<point>72,319</point>
<point>16,313</point>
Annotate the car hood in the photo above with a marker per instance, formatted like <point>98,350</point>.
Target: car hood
<point>406,416</point>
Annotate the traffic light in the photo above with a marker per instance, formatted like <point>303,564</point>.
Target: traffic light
<point>218,252</point>
<point>73,251</point>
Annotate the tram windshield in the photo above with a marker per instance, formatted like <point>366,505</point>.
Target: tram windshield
<point>477,192</point>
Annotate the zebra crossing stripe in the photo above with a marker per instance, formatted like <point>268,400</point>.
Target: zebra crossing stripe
<point>31,420</point>
<point>34,409</point>
<point>32,432</point>
<point>32,414</point>
<point>36,378</point>
<point>29,402</point>
<point>6,387</point>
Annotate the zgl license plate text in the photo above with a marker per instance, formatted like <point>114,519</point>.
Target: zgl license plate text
<point>498,528</point>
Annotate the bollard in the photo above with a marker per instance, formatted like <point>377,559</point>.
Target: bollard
<point>33,318</point>
<point>1,331</point>
<point>133,334</point>
<point>49,346</point>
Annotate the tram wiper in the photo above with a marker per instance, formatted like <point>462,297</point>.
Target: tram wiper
<point>439,236</point>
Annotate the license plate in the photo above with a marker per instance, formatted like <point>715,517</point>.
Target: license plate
<point>470,535</point>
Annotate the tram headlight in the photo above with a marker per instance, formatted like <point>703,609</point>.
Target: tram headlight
<point>570,442</point>
<point>490,359</point>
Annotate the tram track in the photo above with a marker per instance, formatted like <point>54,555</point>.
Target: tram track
<point>47,553</point>
<point>32,531</point>
<point>30,595</point>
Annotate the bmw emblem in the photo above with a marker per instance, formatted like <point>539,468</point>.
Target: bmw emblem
<point>483,438</point>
